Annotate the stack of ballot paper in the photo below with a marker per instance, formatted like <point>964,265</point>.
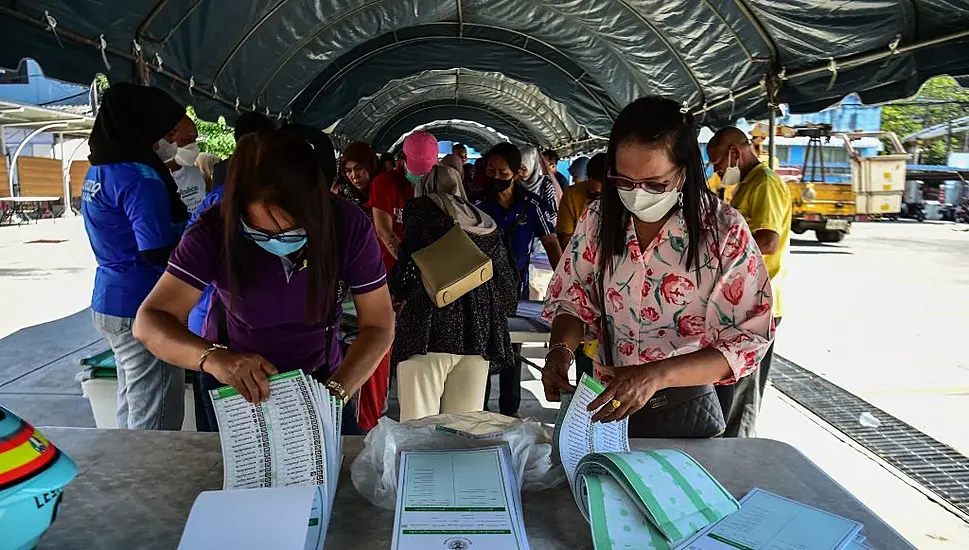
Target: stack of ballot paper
<point>648,499</point>
<point>286,452</point>
<point>458,499</point>
<point>638,499</point>
<point>576,435</point>
<point>477,425</point>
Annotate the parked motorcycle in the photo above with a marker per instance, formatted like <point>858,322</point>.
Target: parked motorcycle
<point>914,210</point>
<point>962,213</point>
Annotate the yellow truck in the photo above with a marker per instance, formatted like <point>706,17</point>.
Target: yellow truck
<point>825,208</point>
<point>828,209</point>
<point>874,191</point>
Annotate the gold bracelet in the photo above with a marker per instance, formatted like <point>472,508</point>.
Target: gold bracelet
<point>205,355</point>
<point>337,388</point>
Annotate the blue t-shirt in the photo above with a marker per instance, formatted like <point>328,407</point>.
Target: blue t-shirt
<point>126,212</point>
<point>196,317</point>
<point>529,218</point>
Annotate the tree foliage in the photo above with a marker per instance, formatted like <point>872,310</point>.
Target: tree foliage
<point>101,83</point>
<point>940,100</point>
<point>214,137</point>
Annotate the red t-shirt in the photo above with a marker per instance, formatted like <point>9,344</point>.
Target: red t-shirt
<point>388,192</point>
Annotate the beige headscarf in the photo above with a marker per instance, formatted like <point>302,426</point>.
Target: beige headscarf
<point>443,183</point>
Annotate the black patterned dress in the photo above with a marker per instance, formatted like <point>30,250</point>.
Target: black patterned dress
<point>476,323</point>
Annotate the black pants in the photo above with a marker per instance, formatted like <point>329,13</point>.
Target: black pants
<point>583,364</point>
<point>203,404</point>
<point>741,401</point>
<point>509,386</point>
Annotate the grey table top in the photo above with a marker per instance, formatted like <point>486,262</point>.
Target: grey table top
<point>135,489</point>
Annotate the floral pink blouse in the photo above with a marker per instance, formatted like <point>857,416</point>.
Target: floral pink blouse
<point>656,307</point>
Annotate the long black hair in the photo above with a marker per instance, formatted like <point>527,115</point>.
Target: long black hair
<point>511,154</point>
<point>282,169</point>
<point>656,121</point>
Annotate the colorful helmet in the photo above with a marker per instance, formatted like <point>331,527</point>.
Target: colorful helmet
<point>33,474</point>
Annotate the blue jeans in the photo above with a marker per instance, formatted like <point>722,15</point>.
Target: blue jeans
<point>151,393</point>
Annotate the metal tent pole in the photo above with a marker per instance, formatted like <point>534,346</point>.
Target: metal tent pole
<point>20,148</point>
<point>65,177</point>
<point>771,144</point>
<point>769,83</point>
<point>3,150</point>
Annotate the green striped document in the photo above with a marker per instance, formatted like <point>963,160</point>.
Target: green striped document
<point>648,499</point>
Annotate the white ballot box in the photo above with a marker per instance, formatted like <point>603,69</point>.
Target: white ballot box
<point>99,384</point>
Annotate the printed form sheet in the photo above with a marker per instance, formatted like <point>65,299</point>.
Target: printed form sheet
<point>770,522</point>
<point>579,436</point>
<point>458,499</point>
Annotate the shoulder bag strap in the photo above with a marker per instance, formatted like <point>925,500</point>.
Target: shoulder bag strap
<point>444,204</point>
<point>605,339</point>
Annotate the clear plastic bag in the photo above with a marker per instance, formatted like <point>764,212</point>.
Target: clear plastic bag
<point>374,471</point>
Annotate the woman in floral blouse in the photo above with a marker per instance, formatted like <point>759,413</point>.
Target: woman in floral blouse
<point>689,309</point>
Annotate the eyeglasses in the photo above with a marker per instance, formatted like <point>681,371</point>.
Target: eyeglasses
<point>650,186</point>
<point>291,236</point>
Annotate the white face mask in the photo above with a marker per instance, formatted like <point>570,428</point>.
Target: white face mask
<point>649,207</point>
<point>731,176</point>
<point>185,156</point>
<point>166,151</point>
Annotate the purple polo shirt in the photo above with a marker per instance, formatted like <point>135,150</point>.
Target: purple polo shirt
<point>271,316</point>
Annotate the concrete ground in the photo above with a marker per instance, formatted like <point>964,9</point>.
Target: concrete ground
<point>46,276</point>
<point>879,314</point>
<point>884,315</point>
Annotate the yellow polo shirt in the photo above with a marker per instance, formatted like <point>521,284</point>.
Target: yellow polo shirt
<point>714,183</point>
<point>765,202</point>
<point>574,202</point>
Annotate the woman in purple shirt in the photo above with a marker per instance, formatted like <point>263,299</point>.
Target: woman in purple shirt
<point>282,253</point>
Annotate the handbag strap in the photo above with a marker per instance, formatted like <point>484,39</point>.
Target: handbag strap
<point>445,205</point>
<point>604,337</point>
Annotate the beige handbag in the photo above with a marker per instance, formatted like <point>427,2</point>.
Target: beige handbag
<point>453,265</point>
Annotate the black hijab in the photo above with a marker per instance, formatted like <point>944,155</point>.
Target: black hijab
<point>131,119</point>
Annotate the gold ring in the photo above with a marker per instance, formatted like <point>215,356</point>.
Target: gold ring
<point>615,403</point>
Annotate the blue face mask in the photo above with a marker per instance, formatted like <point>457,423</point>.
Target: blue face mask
<point>412,178</point>
<point>280,248</point>
<point>282,244</point>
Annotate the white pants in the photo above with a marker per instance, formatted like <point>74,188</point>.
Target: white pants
<point>441,383</point>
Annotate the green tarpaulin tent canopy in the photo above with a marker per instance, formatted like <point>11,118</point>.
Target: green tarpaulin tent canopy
<point>549,72</point>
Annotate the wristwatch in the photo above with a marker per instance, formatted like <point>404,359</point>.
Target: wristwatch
<point>336,389</point>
